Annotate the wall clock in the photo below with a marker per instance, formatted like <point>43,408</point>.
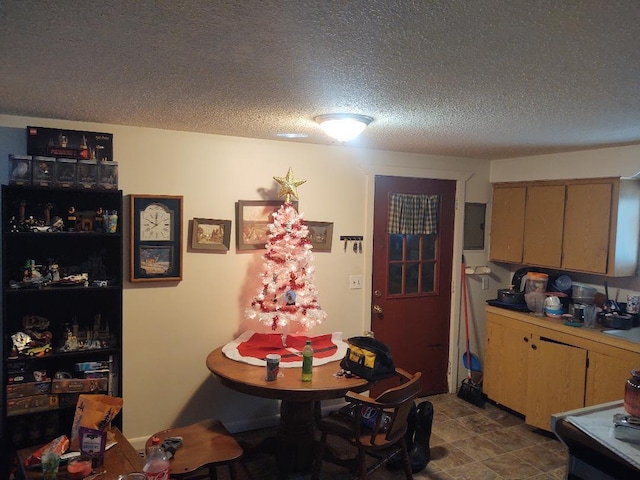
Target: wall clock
<point>156,238</point>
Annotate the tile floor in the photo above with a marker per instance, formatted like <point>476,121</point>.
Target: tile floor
<point>467,443</point>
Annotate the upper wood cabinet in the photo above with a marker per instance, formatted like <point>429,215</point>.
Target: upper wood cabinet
<point>507,223</point>
<point>586,225</point>
<point>543,219</point>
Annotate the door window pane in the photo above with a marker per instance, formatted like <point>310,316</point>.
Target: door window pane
<point>396,244</point>
<point>395,279</point>
<point>411,278</point>
<point>429,243</point>
<point>413,247</point>
<point>428,277</point>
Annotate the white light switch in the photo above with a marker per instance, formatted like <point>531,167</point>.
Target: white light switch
<point>355,282</point>
<point>485,283</point>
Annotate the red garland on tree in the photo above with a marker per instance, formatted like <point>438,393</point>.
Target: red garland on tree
<point>287,298</point>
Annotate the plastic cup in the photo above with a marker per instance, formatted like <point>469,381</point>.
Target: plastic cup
<point>590,316</point>
<point>79,467</point>
<point>539,305</point>
<point>273,366</point>
<point>50,464</point>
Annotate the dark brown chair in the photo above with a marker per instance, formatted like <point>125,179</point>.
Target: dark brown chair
<point>382,438</point>
<point>205,446</point>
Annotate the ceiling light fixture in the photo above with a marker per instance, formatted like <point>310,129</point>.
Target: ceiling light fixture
<point>343,126</point>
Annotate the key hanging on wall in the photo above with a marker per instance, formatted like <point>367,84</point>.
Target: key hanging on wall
<point>357,242</point>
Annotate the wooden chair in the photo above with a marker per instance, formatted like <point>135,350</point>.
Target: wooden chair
<point>205,445</point>
<point>383,440</point>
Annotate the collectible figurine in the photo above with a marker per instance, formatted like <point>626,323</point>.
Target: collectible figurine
<point>47,214</point>
<point>98,223</point>
<point>22,211</point>
<point>71,219</point>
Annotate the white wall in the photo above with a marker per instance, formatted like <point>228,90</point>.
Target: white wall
<point>170,328</point>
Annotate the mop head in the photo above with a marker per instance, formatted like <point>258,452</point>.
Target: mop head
<point>471,392</point>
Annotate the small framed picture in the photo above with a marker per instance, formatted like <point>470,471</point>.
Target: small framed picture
<point>209,234</point>
<point>252,222</point>
<point>320,234</point>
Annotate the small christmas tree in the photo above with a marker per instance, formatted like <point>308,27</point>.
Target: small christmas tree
<point>287,298</point>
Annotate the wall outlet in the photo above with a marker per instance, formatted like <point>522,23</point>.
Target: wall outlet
<point>355,282</point>
<point>485,283</point>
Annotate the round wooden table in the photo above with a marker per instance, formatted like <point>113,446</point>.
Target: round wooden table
<point>294,441</point>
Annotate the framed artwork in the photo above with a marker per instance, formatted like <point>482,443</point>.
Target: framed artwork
<point>156,238</point>
<point>209,234</point>
<point>320,234</point>
<point>252,222</point>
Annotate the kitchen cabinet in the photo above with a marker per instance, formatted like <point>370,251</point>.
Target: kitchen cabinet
<point>555,380</point>
<point>539,366</point>
<point>506,354</point>
<point>522,371</point>
<point>63,288</point>
<point>543,225</point>
<point>607,374</point>
<point>507,223</point>
<point>584,225</point>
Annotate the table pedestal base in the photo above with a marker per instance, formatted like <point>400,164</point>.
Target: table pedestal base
<point>295,438</point>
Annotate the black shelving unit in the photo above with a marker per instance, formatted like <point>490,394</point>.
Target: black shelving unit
<point>74,320</point>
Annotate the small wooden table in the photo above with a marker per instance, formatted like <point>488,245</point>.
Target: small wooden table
<point>119,459</point>
<point>294,442</point>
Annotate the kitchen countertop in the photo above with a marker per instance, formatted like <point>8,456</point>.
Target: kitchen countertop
<point>625,339</point>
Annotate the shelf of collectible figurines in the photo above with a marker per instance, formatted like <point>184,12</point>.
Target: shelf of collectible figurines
<point>61,306</point>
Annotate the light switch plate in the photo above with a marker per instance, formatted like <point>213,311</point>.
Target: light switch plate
<point>355,282</point>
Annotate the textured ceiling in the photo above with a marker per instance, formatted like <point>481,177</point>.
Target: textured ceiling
<point>484,79</point>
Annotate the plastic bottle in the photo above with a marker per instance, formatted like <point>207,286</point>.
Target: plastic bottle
<point>307,362</point>
<point>157,465</point>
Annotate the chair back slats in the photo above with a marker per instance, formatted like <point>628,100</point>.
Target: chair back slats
<point>400,399</point>
<point>375,426</point>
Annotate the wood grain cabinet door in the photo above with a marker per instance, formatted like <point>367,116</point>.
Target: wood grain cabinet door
<point>543,225</point>
<point>587,227</point>
<point>507,224</point>
<point>607,375</point>
<point>556,380</point>
<point>505,363</point>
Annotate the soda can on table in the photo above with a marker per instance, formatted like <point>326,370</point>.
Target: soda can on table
<point>273,366</point>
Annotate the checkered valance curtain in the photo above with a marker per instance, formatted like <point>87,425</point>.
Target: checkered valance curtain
<point>413,214</point>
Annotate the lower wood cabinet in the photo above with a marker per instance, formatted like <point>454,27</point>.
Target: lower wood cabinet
<point>538,367</point>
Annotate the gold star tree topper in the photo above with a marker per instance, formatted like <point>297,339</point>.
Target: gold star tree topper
<point>288,186</point>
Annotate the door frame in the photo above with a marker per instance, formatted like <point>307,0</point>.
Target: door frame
<point>461,179</point>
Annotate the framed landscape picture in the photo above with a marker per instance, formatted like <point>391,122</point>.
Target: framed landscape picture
<point>320,234</point>
<point>252,223</point>
<point>210,234</point>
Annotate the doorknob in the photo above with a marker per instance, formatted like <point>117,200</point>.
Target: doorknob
<point>377,293</point>
<point>377,309</point>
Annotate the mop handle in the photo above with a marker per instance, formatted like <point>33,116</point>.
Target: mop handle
<point>466,317</point>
